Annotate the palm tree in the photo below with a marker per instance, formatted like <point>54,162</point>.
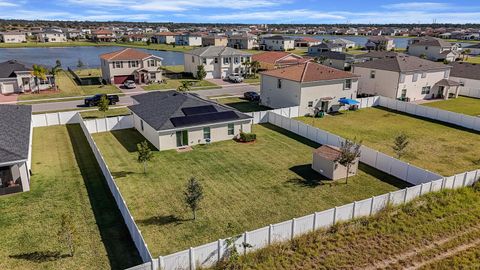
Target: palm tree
<point>39,72</point>
<point>184,87</point>
<point>255,66</point>
<point>54,71</point>
<point>247,64</point>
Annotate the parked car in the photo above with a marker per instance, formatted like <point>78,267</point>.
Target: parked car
<point>252,96</point>
<point>93,101</point>
<point>235,77</point>
<point>129,84</point>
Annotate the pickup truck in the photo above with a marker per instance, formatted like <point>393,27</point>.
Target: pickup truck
<point>93,101</point>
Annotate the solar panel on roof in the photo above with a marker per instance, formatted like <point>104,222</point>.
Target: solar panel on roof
<point>199,110</point>
<point>205,118</point>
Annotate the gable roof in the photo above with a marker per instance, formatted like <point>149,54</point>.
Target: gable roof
<point>165,110</point>
<point>14,132</point>
<point>336,55</point>
<point>429,41</point>
<point>8,68</point>
<point>277,37</point>
<point>309,72</point>
<point>465,70</point>
<point>327,45</point>
<point>212,51</point>
<point>126,54</point>
<point>403,63</point>
<point>307,39</point>
<point>272,57</point>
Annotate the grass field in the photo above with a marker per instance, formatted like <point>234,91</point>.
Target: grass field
<point>246,186</point>
<point>175,69</point>
<point>69,88</point>
<point>465,105</point>
<point>174,83</point>
<point>433,146</point>
<point>427,233</point>
<point>89,72</point>
<point>242,105</point>
<point>66,179</point>
<point>110,113</point>
<point>473,59</point>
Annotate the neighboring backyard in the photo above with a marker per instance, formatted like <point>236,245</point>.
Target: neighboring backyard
<point>465,105</point>
<point>66,180</point>
<point>246,186</point>
<point>433,145</point>
<point>67,87</point>
<point>241,104</point>
<point>436,231</point>
<point>174,83</point>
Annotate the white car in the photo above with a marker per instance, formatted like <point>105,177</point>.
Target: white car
<point>129,84</point>
<point>235,77</point>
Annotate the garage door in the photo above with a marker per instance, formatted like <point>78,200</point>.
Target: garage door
<point>122,79</point>
<point>7,88</point>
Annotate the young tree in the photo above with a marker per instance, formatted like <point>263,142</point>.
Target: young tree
<point>149,42</point>
<point>321,59</point>
<point>80,63</point>
<point>144,154</point>
<point>201,73</point>
<point>255,66</point>
<point>39,72</point>
<point>184,86</point>
<point>400,144</point>
<point>193,195</point>
<point>103,104</point>
<point>58,63</point>
<point>54,71</point>
<point>350,152</point>
<point>66,233</point>
<point>247,64</point>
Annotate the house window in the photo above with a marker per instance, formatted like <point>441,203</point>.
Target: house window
<point>424,75</point>
<point>446,74</point>
<point>141,125</point>
<point>206,133</point>
<point>415,77</point>
<point>236,60</point>
<point>404,93</point>
<point>153,76</point>
<point>462,84</point>
<point>426,90</point>
<point>226,60</point>
<point>402,78</point>
<point>347,85</point>
<point>153,63</point>
<point>279,83</point>
<point>231,130</point>
<point>372,74</point>
<point>216,60</point>
<point>310,104</point>
<point>118,64</point>
<point>204,61</point>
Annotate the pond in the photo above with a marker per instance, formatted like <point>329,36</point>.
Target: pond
<point>69,56</point>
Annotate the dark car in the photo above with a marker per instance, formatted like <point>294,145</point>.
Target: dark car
<point>252,96</point>
<point>93,101</point>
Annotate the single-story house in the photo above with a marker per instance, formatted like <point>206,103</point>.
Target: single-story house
<point>15,148</point>
<point>17,77</point>
<point>305,42</point>
<point>405,77</point>
<point>13,37</point>
<point>130,64</point>
<point>218,61</point>
<point>467,75</point>
<point>311,86</point>
<point>171,120</point>
<point>324,162</point>
<point>273,60</point>
<point>324,47</point>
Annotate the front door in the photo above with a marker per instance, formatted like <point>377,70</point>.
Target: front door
<point>440,91</point>
<point>324,106</point>
<point>182,138</point>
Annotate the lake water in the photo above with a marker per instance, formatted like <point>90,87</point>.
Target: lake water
<point>69,55</point>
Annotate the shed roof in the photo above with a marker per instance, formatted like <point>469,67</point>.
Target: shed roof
<point>328,152</point>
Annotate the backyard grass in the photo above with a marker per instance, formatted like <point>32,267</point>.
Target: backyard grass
<point>473,59</point>
<point>242,105</point>
<point>69,88</point>
<point>465,105</point>
<point>110,113</point>
<point>246,186</point>
<point>89,72</point>
<point>174,83</point>
<point>66,180</point>
<point>418,234</point>
<point>175,69</point>
<point>356,51</point>
<point>433,145</point>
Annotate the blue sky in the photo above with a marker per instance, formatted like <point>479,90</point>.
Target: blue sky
<point>246,11</point>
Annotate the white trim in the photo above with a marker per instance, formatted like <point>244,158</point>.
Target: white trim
<point>13,162</point>
<point>204,125</point>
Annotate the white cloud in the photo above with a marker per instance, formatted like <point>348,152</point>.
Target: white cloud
<point>275,16</point>
<point>7,4</point>
<point>418,5</point>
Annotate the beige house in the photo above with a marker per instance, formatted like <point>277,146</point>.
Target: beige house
<point>324,162</point>
<point>188,40</point>
<point>277,43</point>
<point>405,77</point>
<point>171,120</point>
<point>434,49</point>
<point>130,64</point>
<point>103,36</point>
<point>311,86</point>
<point>218,61</point>
<point>243,42</point>
<point>468,76</point>
<point>13,37</point>
<point>16,77</point>
<point>51,36</point>
<point>164,38</point>
<point>214,41</point>
<point>380,43</point>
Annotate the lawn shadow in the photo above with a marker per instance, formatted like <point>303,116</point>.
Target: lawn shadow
<point>308,177</point>
<point>121,174</point>
<point>291,135</point>
<point>40,256</point>
<point>129,138</point>
<point>121,250</point>
<point>161,220</point>
<point>389,179</point>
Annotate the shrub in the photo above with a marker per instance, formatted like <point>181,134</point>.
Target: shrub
<point>247,137</point>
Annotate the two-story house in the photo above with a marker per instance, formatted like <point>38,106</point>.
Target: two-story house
<point>434,49</point>
<point>164,37</point>
<point>277,43</point>
<point>379,43</point>
<point>13,37</point>
<point>188,40</point>
<point>214,40</point>
<point>405,77</point>
<point>311,86</point>
<point>324,47</point>
<point>103,36</point>
<point>218,61</point>
<point>130,64</point>
<point>51,36</point>
<point>243,42</point>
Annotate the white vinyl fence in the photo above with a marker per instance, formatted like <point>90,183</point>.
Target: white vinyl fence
<point>462,120</point>
<point>470,92</point>
<point>53,119</point>
<point>122,206</point>
<point>109,123</point>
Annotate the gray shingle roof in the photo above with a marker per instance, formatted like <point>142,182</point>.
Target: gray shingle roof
<point>465,70</point>
<point>158,108</point>
<point>473,46</point>
<point>8,68</point>
<point>336,55</point>
<point>403,63</point>
<point>215,51</point>
<point>278,37</point>
<point>429,41</point>
<point>327,45</point>
<point>15,121</point>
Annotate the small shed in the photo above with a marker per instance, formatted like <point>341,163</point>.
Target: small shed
<point>324,162</point>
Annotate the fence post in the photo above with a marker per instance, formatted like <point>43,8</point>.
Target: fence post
<point>314,220</point>
<point>334,215</point>
<point>464,179</point>
<point>192,258</point>
<point>161,263</point>
<point>59,119</point>
<point>270,232</point>
<point>354,208</point>
<point>444,182</point>
<point>219,250</point>
<point>371,205</point>
<point>405,196</point>
<point>245,242</point>
<point>293,228</point>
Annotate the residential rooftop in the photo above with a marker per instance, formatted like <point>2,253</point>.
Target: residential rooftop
<point>213,51</point>
<point>126,54</point>
<point>8,68</point>
<point>465,70</point>
<point>403,63</point>
<point>15,125</point>
<point>309,72</point>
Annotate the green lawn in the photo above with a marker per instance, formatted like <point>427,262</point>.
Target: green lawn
<point>66,179</point>
<point>465,105</point>
<point>433,146</point>
<point>246,186</point>
<point>175,69</point>
<point>174,83</point>
<point>89,72</point>
<point>69,88</point>
<point>110,113</point>
<point>412,235</point>
<point>473,59</point>
<point>242,105</point>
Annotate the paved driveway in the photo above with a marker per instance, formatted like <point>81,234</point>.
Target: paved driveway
<point>138,88</point>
